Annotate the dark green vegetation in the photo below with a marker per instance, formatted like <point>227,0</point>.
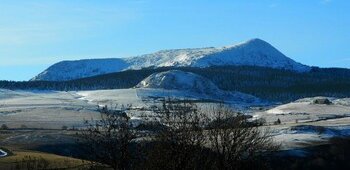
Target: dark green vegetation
<point>266,83</point>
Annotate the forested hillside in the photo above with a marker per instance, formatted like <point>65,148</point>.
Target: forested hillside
<point>266,83</point>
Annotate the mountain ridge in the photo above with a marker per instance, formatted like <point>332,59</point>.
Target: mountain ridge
<point>254,52</point>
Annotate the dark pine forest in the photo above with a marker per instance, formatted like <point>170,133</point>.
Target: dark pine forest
<point>266,83</point>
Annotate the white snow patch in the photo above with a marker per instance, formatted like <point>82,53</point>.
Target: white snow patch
<point>3,153</point>
<point>305,106</point>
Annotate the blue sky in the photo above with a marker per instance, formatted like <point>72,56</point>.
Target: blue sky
<point>37,33</point>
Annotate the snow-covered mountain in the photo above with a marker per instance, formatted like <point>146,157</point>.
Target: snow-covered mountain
<point>69,70</point>
<point>254,52</point>
<point>182,84</point>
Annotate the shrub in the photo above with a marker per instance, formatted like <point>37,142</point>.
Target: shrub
<point>4,127</point>
<point>277,122</point>
<point>64,128</point>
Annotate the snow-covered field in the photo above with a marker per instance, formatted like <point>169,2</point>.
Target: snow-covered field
<point>299,136</point>
<point>303,123</point>
<point>304,110</point>
<point>43,109</point>
<point>51,109</point>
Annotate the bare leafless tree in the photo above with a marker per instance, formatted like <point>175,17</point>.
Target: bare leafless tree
<point>216,138</point>
<point>236,141</point>
<point>108,140</point>
<point>179,144</point>
<point>187,138</point>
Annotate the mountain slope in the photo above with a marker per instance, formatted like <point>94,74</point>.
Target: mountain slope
<point>254,52</point>
<point>69,70</point>
<point>179,80</point>
<point>185,84</point>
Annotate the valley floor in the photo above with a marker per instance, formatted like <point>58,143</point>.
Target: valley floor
<point>35,119</point>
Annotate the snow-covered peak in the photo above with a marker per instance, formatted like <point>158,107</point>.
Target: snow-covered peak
<point>255,52</point>
<point>251,41</point>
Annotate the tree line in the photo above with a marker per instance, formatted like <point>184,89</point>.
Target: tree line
<point>266,83</point>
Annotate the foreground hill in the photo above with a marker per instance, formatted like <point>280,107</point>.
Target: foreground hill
<point>24,159</point>
<point>179,80</point>
<point>254,52</point>
<point>185,84</point>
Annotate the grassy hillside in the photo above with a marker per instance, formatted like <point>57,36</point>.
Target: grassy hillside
<point>22,159</point>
